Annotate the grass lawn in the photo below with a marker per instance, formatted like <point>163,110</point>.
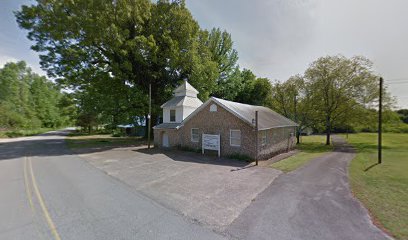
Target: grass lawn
<point>310,148</point>
<point>105,140</point>
<point>22,133</point>
<point>383,189</point>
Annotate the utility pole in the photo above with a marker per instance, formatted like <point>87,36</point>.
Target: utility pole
<point>295,118</point>
<point>380,123</point>
<point>256,135</point>
<point>149,116</point>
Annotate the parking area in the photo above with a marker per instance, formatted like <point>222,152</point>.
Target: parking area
<point>207,189</point>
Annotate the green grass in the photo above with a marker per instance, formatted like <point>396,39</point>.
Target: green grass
<point>99,141</point>
<point>23,132</point>
<point>310,148</point>
<point>383,189</point>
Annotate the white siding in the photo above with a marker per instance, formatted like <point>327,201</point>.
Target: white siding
<point>179,114</point>
<point>187,111</point>
<point>166,115</point>
<point>184,102</point>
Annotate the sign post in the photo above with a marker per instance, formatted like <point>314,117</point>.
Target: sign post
<point>211,142</point>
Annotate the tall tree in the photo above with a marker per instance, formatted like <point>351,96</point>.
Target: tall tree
<point>338,87</point>
<point>220,45</point>
<point>15,97</point>
<point>28,100</point>
<point>253,90</point>
<point>247,85</point>
<point>139,42</point>
<point>291,99</point>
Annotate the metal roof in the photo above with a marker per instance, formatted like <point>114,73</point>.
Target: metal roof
<point>182,101</point>
<point>267,118</point>
<point>185,89</point>
<point>168,126</point>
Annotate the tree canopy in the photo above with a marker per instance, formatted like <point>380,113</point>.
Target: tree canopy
<point>335,92</point>
<point>108,52</point>
<point>28,100</point>
<point>86,44</point>
<point>292,100</point>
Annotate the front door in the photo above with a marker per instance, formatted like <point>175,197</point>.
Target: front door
<point>165,140</point>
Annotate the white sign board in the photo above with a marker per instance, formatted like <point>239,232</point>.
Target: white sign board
<point>211,142</point>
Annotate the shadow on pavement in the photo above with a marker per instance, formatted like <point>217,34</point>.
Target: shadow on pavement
<point>53,144</point>
<point>186,156</point>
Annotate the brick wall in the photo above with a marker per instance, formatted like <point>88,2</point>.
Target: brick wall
<point>278,140</point>
<point>174,137</point>
<point>219,122</point>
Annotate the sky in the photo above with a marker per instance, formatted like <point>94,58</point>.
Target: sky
<point>280,38</point>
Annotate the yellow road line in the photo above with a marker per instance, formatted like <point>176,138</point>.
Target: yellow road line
<point>27,187</point>
<point>47,216</point>
<point>30,199</point>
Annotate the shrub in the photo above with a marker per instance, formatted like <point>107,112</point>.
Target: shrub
<point>117,133</point>
<point>241,157</point>
<point>188,149</point>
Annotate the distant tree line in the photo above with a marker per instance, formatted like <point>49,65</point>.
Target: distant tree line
<point>29,101</point>
<point>109,52</point>
<point>336,94</point>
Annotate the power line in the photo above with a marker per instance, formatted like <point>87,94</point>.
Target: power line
<point>396,79</point>
<point>396,83</point>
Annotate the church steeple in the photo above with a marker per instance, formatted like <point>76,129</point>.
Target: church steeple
<point>185,89</point>
<point>184,102</point>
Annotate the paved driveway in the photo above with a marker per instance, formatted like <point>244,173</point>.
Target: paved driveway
<point>46,192</point>
<point>313,202</point>
<point>207,189</point>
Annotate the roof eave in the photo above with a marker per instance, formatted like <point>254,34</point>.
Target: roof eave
<point>280,126</point>
<point>233,112</point>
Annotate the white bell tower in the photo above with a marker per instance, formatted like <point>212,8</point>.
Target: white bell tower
<point>184,102</point>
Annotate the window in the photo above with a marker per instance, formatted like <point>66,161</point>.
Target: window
<point>213,108</point>
<point>235,138</point>
<point>263,138</point>
<point>195,135</point>
<point>172,115</point>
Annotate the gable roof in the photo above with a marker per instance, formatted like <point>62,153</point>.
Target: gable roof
<point>182,101</point>
<point>267,118</point>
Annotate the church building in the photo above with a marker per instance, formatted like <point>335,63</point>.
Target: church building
<point>231,128</point>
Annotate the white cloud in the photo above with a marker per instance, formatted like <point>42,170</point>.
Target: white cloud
<point>6,59</point>
<point>280,38</point>
<point>35,67</point>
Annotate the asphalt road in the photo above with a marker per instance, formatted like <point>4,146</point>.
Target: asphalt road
<point>313,202</point>
<point>49,193</point>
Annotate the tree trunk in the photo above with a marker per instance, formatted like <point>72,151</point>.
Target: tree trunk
<point>297,137</point>
<point>328,130</point>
